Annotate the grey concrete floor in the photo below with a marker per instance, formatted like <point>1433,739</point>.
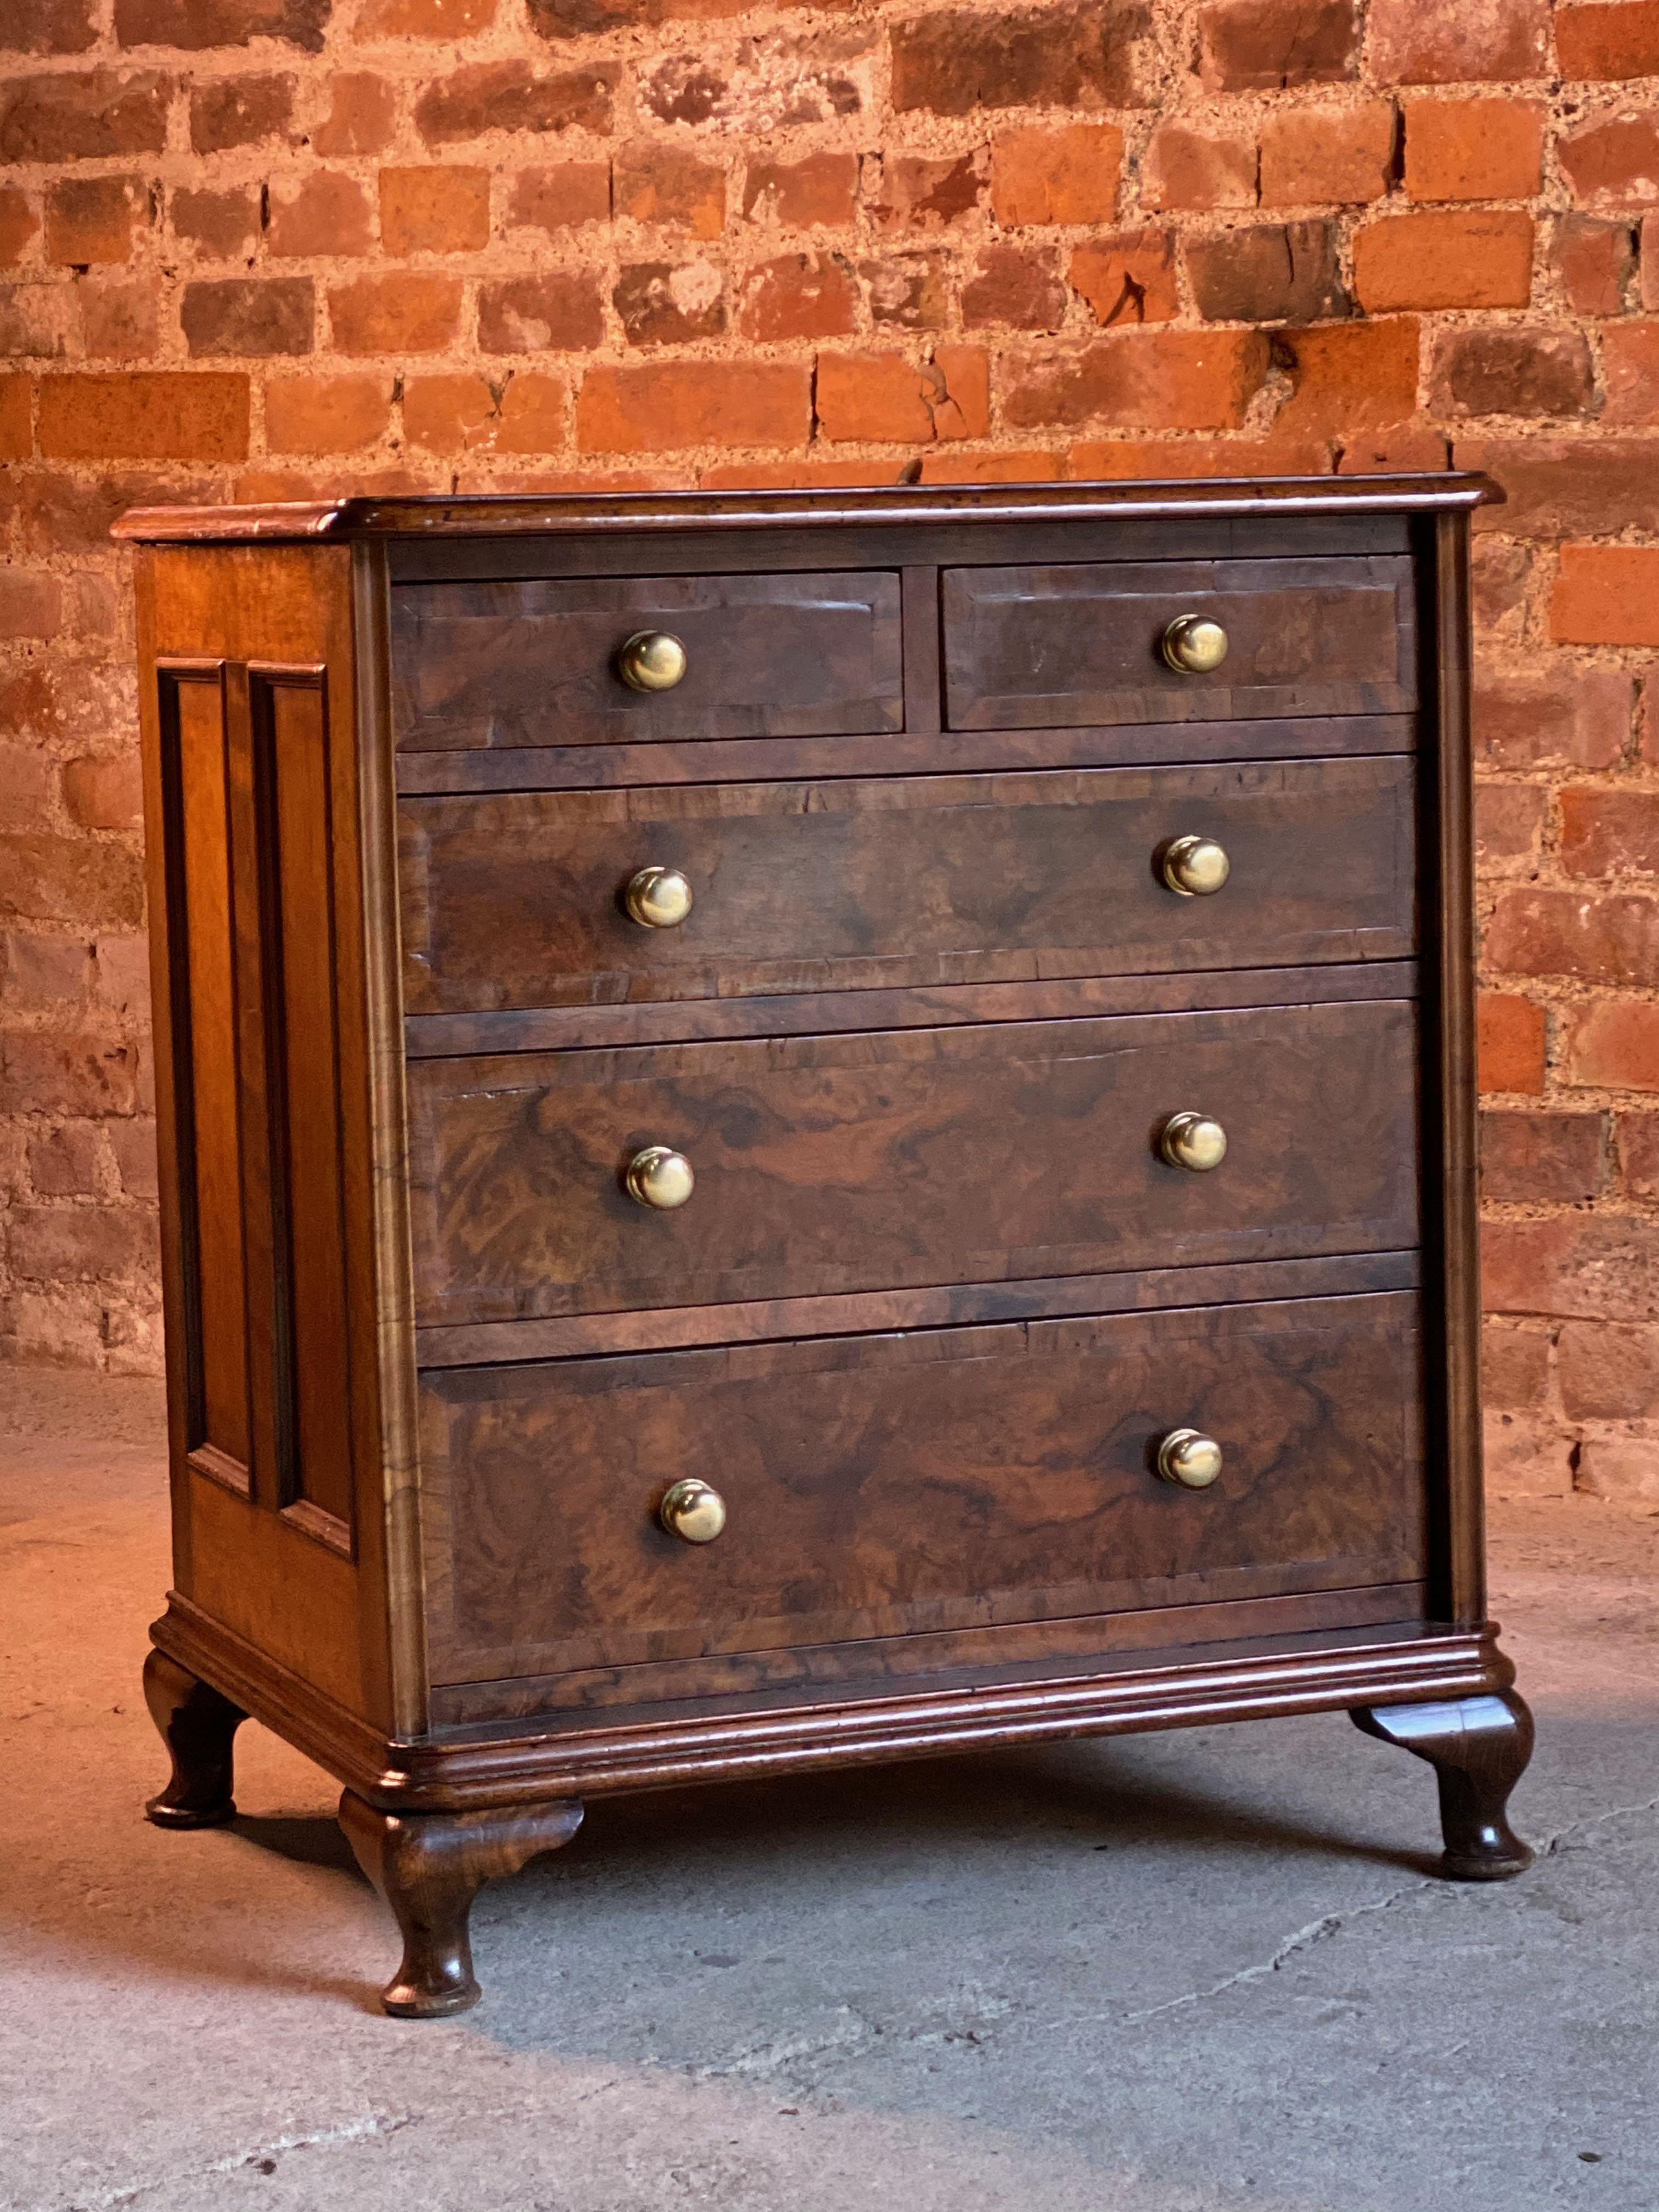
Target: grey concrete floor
<point>1172,1973</point>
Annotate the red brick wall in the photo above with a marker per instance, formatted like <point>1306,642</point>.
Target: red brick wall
<point>257,248</point>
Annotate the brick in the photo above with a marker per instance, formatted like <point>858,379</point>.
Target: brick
<point>1066,175</point>
<point>1541,1159</point>
<point>92,116</point>
<point>81,1243</point>
<point>1453,41</point>
<point>1128,278</point>
<point>775,78</point>
<point>1614,1046</point>
<point>1636,1140</point>
<point>1515,1368</point>
<point>953,62</point>
<point>31,605</point>
<point>1451,260</point>
<point>361,115</point>
<point>669,303</point>
<point>534,416</point>
<point>1016,287</point>
<point>1526,1456</point>
<point>1608,43</point>
<point>558,310</point>
<point>444,208</point>
<point>1155,380</point>
<point>1526,372</point>
<point>43,972</point>
<point>1312,155</point>
<point>1266,45</point>
<point>133,1145</point>
<point>1623,1469</point>
<point>1508,827</point>
<point>241,111</point>
<point>819,189</point>
<point>445,414</point>
<point>120,319</point>
<point>407,312</point>
<point>248,315</point>
<point>64,1162</point>
<point>1278,272</point>
<point>918,193</point>
<point>666,406</point>
<point>1510,1038</point>
<point>1346,376</point>
<point>90,219</point>
<point>1606,595</point>
<point>1553,718</point>
<point>958,464</point>
<point>560,197</point>
<point>1613,939</point>
<point>1567,486</point>
<point>1630,367</point>
<point>1186,168</point>
<point>462,415</point>
<point>326,414</point>
<point>1615,159</point>
<point>326,212</point>
<point>882,398</point>
<point>653,183</point>
<point>34,320</point>
<point>48,26</point>
<point>60,1071</point>
<point>425,19</point>
<point>18,225</point>
<point>1500,572</point>
<point>1589,1267</point>
<point>1473,150</point>
<point>49,878</point>
<point>908,291</point>
<point>17,438</point>
<point>151,416</point>
<point>105,790</point>
<point>1593,261</point>
<point>1606,833</point>
<point>799,295</point>
<point>219,225</point>
<point>800,476</point>
<point>26,787</point>
<point>196,25</point>
<point>479,97</point>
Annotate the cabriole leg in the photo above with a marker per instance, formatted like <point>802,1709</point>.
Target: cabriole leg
<point>198,1724</point>
<point>1479,1748</point>
<point>430,1867</point>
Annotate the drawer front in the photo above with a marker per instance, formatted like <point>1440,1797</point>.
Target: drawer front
<point>515,901</point>
<point>831,1165</point>
<point>934,1480</point>
<point>1028,648</point>
<point>483,665</point>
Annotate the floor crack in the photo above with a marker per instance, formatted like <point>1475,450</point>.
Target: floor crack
<point>372,2123</point>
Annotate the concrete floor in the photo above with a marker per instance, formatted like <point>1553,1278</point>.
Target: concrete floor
<point>1177,1974</point>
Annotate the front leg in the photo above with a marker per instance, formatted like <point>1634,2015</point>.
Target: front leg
<point>430,1867</point>
<point>1479,1748</point>
<point>198,1724</point>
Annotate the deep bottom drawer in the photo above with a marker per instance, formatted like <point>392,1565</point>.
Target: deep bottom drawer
<point>932,1481</point>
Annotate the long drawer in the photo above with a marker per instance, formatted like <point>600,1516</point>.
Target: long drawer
<point>516,900</point>
<point>937,1479</point>
<point>829,1165</point>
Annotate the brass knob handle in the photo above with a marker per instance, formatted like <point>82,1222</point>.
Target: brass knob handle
<point>692,1511</point>
<point>1194,867</point>
<point>659,1177</point>
<point>1190,1458</point>
<point>658,898</point>
<point>651,660</point>
<point>1193,1141</point>
<point>1193,645</point>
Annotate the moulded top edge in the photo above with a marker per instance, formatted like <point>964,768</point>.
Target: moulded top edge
<point>486,514</point>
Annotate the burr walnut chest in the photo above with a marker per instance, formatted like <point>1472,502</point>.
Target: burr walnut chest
<point>799,1128</point>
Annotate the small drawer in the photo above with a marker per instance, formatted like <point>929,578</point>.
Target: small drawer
<point>543,662</point>
<point>521,900</point>
<point>1030,648</point>
<point>927,1481</point>
<point>908,1157</point>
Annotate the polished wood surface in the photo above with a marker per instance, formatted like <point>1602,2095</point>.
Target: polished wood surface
<point>515,901</point>
<point>479,665</point>
<point>1479,1748</point>
<point>198,1725</point>
<point>907,1157</point>
<point>1082,644</point>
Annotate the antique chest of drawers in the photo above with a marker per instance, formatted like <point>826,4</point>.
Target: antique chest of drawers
<point>799,1128</point>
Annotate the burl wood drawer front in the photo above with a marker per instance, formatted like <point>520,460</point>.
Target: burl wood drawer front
<point>1030,647</point>
<point>828,1165</point>
<point>515,901</point>
<point>934,1480</point>
<point>485,665</point>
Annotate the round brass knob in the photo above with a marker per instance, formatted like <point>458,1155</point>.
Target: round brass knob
<point>1193,645</point>
<point>651,660</point>
<point>1190,1458</point>
<point>658,898</point>
<point>1194,867</point>
<point>692,1510</point>
<point>659,1177</point>
<point>1193,1141</point>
